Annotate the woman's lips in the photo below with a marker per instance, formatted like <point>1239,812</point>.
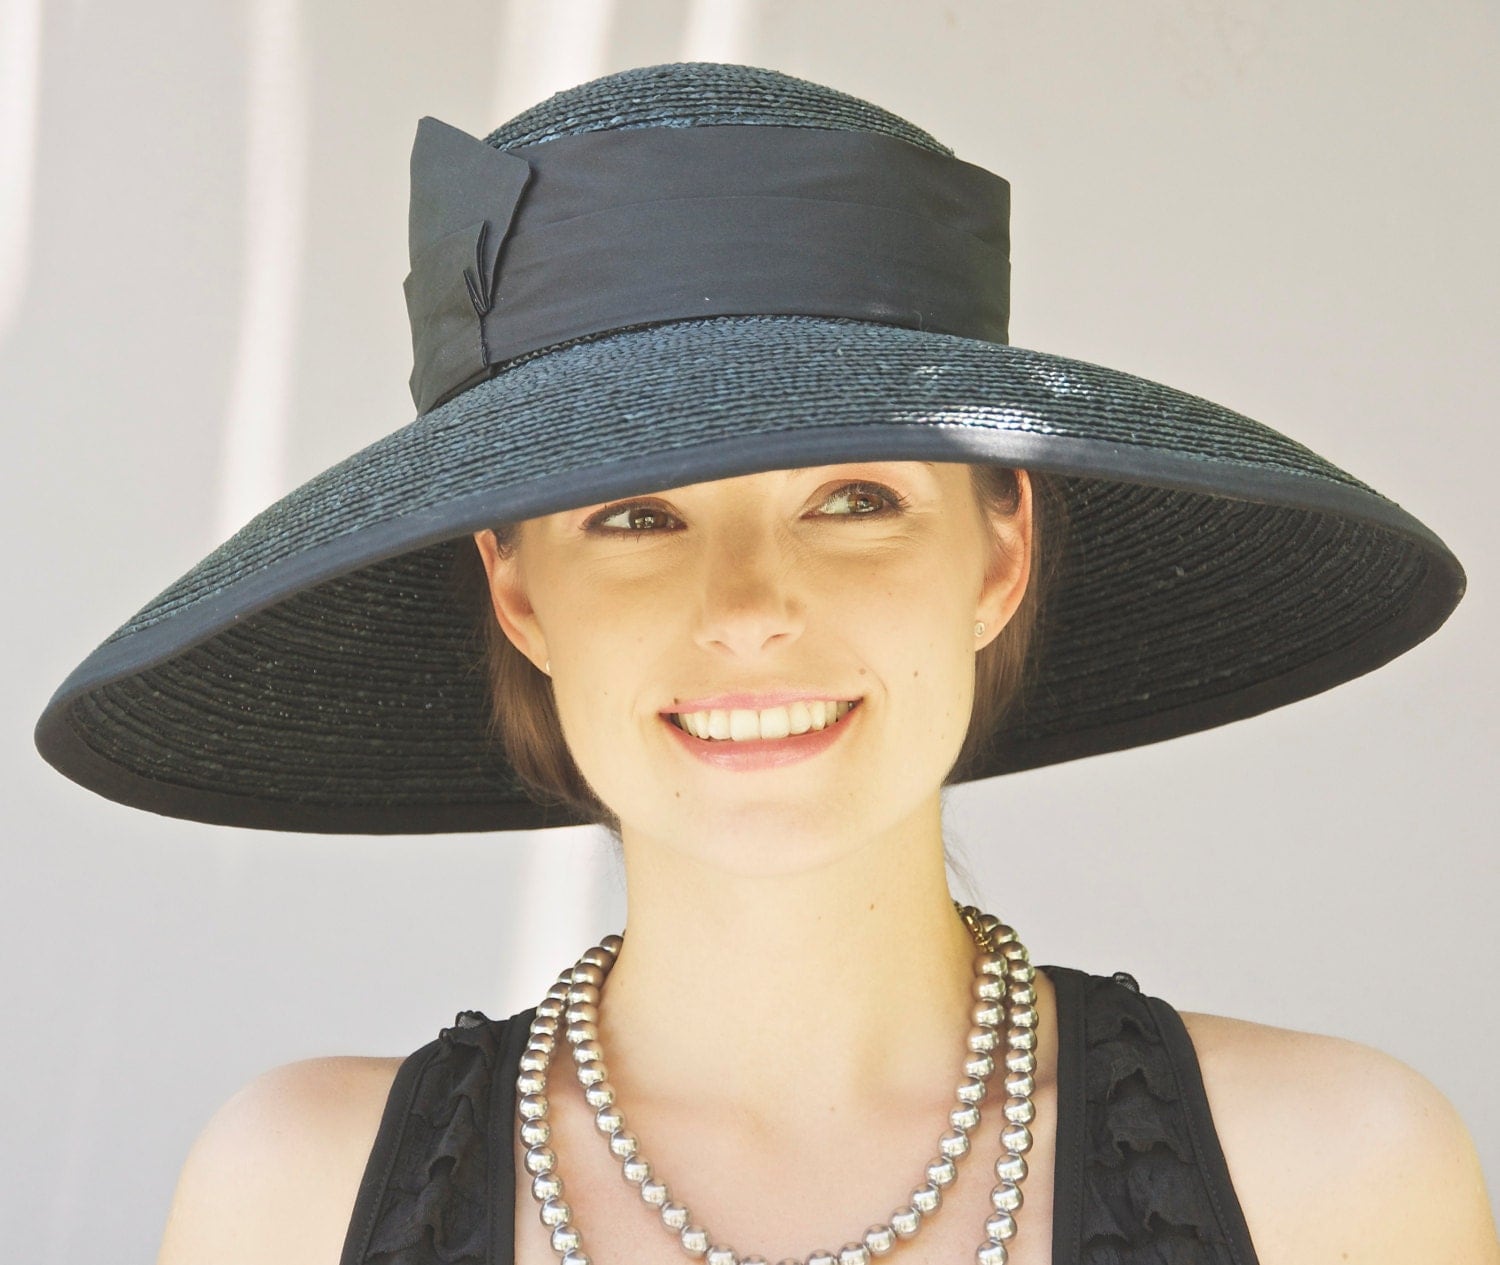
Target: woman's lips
<point>762,753</point>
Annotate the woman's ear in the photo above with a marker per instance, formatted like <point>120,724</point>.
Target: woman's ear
<point>1009,563</point>
<point>508,598</point>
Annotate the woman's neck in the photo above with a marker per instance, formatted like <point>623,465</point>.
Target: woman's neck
<point>767,997</point>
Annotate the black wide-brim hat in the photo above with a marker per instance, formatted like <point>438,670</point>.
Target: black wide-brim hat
<point>682,273</point>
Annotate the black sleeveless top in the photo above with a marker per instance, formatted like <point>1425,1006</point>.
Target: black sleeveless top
<point>1140,1178</point>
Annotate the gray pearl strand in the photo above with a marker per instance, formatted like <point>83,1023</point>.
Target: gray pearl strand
<point>1003,980</point>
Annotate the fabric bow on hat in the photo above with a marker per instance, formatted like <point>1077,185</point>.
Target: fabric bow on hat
<point>464,196</point>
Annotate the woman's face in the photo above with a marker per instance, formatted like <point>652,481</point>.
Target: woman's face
<point>694,632</point>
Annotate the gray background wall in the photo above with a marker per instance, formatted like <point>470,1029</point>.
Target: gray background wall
<point>1286,207</point>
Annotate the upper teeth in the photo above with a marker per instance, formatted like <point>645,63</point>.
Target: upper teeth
<point>739,724</point>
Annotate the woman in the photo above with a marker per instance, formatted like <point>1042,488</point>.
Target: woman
<point>771,536</point>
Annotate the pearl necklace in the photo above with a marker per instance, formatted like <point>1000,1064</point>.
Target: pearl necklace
<point>1003,981</point>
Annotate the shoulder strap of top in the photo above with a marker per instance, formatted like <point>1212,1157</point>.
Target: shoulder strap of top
<point>1140,1173</point>
<point>432,1183</point>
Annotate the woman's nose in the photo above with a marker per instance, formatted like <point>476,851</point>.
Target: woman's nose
<point>751,597</point>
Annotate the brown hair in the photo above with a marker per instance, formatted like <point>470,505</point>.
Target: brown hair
<point>523,713</point>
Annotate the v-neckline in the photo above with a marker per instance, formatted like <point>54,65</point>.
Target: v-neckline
<point>1067,1155</point>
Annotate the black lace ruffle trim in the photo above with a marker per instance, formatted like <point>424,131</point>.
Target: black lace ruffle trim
<point>1145,1198</point>
<point>436,1202</point>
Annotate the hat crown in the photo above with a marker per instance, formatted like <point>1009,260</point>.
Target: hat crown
<point>701,94</point>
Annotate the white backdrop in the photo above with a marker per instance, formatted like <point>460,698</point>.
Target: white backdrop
<point>1288,208</point>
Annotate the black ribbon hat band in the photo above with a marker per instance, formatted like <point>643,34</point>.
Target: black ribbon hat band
<point>513,251</point>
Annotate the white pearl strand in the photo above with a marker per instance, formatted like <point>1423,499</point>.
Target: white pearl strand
<point>1003,980</point>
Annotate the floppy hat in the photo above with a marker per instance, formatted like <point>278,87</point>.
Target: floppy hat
<point>686,272</point>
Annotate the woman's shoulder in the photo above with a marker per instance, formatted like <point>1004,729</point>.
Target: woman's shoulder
<point>274,1174</point>
<point>1339,1151</point>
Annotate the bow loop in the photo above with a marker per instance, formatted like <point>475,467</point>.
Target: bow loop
<point>464,195</point>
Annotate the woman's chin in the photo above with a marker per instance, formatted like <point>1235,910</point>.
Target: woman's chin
<point>764,833</point>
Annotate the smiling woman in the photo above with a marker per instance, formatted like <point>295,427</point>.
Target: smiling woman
<point>731,522</point>
<point>524,710</point>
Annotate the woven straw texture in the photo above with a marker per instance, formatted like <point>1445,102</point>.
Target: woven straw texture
<point>316,671</point>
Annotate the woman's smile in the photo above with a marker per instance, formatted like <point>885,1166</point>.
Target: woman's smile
<point>745,740</point>
<point>742,724</point>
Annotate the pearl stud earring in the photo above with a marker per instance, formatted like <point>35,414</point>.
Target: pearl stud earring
<point>979,629</point>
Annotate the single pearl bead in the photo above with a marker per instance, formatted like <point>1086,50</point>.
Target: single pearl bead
<point>1000,1226</point>
<point>927,1199</point>
<point>991,964</point>
<point>953,1144</point>
<point>575,994</point>
<point>906,1221</point>
<point>582,994</point>
<point>941,1172</point>
<point>979,1066</point>
<point>1011,1168</point>
<point>580,1032</point>
<point>1006,1197</point>
<point>972,1090</point>
<point>964,1116</point>
<point>1022,1061</point>
<point>982,1040</point>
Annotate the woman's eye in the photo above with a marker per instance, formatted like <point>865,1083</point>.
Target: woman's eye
<point>637,518</point>
<point>856,500</point>
<point>641,518</point>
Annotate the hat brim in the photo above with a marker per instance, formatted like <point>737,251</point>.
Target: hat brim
<point>313,673</point>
